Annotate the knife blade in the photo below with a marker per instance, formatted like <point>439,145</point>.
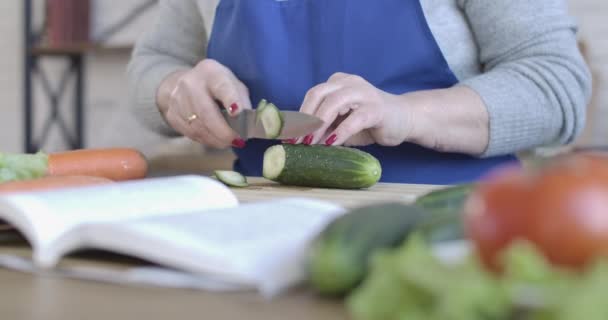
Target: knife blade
<point>295,124</point>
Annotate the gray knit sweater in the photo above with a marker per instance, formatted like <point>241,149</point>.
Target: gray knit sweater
<point>520,56</point>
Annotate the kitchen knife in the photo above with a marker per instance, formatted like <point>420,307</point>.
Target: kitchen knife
<point>295,124</point>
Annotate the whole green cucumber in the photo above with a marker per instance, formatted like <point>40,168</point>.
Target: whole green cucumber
<point>340,254</point>
<point>447,198</point>
<point>321,166</point>
<point>446,203</point>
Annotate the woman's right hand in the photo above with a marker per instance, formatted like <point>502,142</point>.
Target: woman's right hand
<point>190,102</point>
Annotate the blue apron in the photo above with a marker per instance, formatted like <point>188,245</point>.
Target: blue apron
<point>281,48</point>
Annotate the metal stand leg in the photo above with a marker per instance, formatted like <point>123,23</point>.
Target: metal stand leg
<point>28,60</point>
<point>79,105</point>
<point>75,139</point>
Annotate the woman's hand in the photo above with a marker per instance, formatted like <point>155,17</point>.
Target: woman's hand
<point>355,113</point>
<point>190,102</point>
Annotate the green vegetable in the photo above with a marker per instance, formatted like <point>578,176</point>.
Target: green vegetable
<point>271,118</point>
<point>451,198</point>
<point>340,254</point>
<point>261,105</point>
<point>231,178</point>
<point>410,282</point>
<point>338,260</point>
<point>447,203</point>
<point>321,166</point>
<point>22,166</point>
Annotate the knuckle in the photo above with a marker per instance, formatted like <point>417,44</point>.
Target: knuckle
<point>224,91</point>
<point>220,87</point>
<point>314,93</point>
<point>208,65</point>
<point>354,78</point>
<point>187,82</point>
<point>337,76</point>
<point>337,100</point>
<point>326,114</point>
<point>348,128</point>
<point>172,118</point>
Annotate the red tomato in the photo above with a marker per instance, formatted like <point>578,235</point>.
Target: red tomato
<point>568,212</point>
<point>493,213</point>
<point>562,209</point>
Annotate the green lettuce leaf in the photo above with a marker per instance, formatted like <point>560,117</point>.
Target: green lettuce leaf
<point>413,284</point>
<point>409,282</point>
<point>22,166</point>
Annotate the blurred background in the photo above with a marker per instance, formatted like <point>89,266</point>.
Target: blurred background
<point>63,82</point>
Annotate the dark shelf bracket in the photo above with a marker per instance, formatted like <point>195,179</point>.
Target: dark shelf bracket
<point>75,138</point>
<point>75,57</point>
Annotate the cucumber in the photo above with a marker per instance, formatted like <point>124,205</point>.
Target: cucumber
<point>258,111</point>
<point>321,166</point>
<point>271,118</point>
<point>231,178</point>
<point>263,103</point>
<point>445,199</point>
<point>446,203</point>
<point>340,255</point>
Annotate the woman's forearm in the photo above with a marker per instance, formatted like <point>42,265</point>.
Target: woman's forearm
<point>447,120</point>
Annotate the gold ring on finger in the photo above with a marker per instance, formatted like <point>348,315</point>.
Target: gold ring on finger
<point>192,118</point>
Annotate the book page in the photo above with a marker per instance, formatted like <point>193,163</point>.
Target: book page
<point>45,216</point>
<point>259,244</point>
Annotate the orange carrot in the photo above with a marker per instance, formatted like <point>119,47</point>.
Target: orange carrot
<point>51,183</point>
<point>117,164</point>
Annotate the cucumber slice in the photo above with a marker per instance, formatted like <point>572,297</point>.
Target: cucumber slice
<point>261,105</point>
<point>231,178</point>
<point>274,162</point>
<point>272,120</point>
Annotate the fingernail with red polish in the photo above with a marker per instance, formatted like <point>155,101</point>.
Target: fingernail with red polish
<point>234,108</point>
<point>238,143</point>
<point>308,139</point>
<point>331,139</point>
<point>290,141</point>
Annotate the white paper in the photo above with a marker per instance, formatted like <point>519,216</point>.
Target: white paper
<point>259,244</point>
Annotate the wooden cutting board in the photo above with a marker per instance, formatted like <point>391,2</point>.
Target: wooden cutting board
<point>261,189</point>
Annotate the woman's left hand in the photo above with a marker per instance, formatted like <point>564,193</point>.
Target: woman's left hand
<point>355,113</point>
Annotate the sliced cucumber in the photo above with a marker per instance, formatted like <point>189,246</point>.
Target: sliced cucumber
<point>261,105</point>
<point>274,162</point>
<point>321,166</point>
<point>272,120</point>
<point>231,178</point>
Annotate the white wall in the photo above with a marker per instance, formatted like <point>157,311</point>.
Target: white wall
<point>592,15</point>
<point>10,75</point>
<point>110,123</point>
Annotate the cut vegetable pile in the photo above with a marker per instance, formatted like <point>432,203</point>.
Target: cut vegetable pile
<point>412,283</point>
<point>539,243</point>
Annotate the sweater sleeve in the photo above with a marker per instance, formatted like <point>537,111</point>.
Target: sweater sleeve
<point>535,83</point>
<point>176,41</point>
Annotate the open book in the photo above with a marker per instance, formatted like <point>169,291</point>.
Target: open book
<point>192,227</point>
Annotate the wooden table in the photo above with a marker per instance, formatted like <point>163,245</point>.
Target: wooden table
<point>24,296</point>
<point>261,189</point>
